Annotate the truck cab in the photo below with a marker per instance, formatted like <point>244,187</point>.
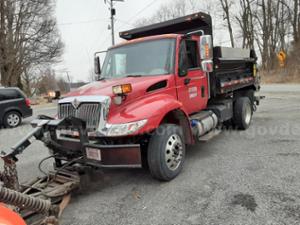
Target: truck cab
<point>162,89</point>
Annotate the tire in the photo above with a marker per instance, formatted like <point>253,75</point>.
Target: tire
<point>242,113</point>
<point>12,119</point>
<point>164,165</point>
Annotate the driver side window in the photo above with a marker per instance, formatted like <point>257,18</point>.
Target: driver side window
<point>188,58</point>
<point>183,63</point>
<point>192,54</point>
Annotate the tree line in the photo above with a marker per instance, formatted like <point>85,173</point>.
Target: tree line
<point>269,25</point>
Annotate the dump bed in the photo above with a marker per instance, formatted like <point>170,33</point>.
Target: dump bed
<point>234,69</point>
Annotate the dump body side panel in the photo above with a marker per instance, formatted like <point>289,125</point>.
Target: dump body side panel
<point>234,69</point>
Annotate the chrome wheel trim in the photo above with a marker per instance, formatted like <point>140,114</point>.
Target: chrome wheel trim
<point>13,120</point>
<point>248,114</point>
<point>174,152</point>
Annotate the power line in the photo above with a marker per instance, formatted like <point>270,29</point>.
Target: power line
<point>131,18</point>
<point>138,13</point>
<point>124,22</point>
<point>82,22</point>
<point>142,10</point>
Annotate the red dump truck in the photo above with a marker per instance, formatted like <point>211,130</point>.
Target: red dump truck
<point>167,86</point>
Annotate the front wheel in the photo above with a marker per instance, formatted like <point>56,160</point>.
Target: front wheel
<point>166,152</point>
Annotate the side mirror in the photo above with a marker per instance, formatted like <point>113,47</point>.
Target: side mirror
<point>207,66</point>
<point>206,47</point>
<point>97,65</point>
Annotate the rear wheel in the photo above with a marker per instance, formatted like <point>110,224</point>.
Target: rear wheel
<point>243,112</point>
<point>12,119</point>
<point>166,152</point>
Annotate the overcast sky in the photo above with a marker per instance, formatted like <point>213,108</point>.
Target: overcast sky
<point>83,25</point>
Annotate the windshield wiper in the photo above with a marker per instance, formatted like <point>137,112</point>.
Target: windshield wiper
<point>133,75</point>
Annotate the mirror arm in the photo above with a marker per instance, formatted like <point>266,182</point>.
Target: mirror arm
<point>96,53</point>
<point>194,32</point>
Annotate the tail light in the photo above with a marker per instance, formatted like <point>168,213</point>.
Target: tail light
<point>28,103</point>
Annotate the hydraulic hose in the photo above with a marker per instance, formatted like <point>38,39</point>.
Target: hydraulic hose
<point>22,201</point>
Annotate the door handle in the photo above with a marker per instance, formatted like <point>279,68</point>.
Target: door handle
<point>187,81</point>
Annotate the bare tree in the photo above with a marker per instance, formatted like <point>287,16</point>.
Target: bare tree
<point>226,8</point>
<point>174,10</point>
<point>28,37</point>
<point>264,18</point>
<point>63,85</point>
<point>47,81</point>
<point>272,18</point>
<point>166,12</point>
<point>295,20</point>
<point>245,21</point>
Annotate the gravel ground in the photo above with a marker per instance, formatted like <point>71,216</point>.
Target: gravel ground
<point>238,178</point>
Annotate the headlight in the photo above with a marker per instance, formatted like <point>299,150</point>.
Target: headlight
<point>122,89</point>
<point>115,130</point>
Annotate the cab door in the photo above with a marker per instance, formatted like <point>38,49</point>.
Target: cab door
<point>191,81</point>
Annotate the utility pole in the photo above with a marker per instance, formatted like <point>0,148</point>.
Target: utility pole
<point>112,18</point>
<point>70,87</point>
<point>68,77</point>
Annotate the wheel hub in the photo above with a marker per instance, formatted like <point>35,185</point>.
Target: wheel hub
<point>13,120</point>
<point>248,114</point>
<point>174,152</point>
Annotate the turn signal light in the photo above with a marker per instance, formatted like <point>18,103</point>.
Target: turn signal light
<point>207,51</point>
<point>122,89</point>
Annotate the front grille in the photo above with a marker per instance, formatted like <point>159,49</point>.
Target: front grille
<point>88,112</point>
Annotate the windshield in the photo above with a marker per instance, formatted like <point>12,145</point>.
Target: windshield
<point>141,59</point>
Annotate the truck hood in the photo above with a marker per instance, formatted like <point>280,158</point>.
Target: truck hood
<point>104,87</point>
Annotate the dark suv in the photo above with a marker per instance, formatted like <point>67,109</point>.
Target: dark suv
<point>13,107</point>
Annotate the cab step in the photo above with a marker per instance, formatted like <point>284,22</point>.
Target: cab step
<point>209,135</point>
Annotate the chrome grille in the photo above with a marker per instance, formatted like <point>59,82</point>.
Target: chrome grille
<point>88,112</point>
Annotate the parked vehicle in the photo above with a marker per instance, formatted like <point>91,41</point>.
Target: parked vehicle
<point>166,87</point>
<point>14,105</point>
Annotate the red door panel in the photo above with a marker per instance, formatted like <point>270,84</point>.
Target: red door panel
<point>192,91</point>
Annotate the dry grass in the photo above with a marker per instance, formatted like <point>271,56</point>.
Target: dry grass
<point>280,76</point>
<point>40,100</point>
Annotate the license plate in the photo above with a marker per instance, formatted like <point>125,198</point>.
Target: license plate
<point>93,153</point>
